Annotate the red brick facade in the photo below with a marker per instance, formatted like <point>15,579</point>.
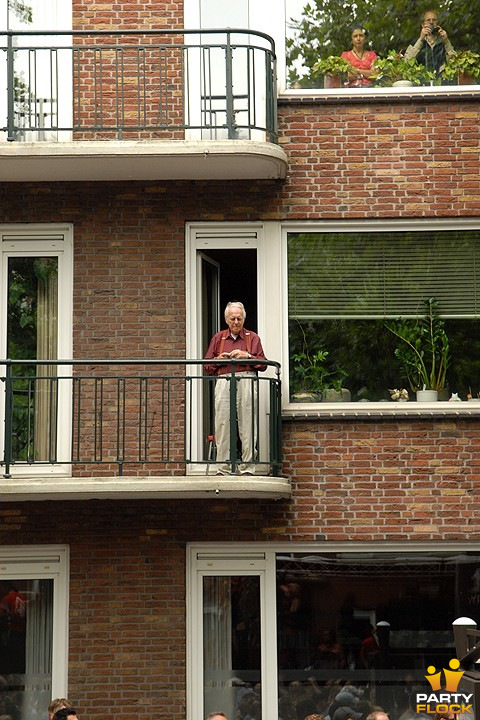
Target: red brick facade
<point>405,480</point>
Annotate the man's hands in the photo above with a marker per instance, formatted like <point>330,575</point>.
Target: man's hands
<point>234,355</point>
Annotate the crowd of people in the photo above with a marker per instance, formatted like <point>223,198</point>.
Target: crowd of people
<point>336,700</point>
<point>432,49</point>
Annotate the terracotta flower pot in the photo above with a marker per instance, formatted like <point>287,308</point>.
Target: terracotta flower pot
<point>332,81</point>
<point>464,78</point>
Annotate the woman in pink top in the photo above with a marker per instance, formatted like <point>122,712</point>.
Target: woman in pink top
<point>360,59</point>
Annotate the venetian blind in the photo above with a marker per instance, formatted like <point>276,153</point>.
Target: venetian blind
<point>382,275</point>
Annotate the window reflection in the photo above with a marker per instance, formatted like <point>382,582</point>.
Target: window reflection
<point>360,630</point>
<point>231,630</point>
<point>319,29</point>
<point>26,633</point>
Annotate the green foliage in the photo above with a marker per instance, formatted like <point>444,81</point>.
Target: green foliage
<point>467,62</point>
<point>394,67</point>
<point>22,11</point>
<point>332,65</point>
<point>424,352</point>
<point>313,371</point>
<point>325,28</point>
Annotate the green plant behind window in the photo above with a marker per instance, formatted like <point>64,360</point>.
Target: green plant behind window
<point>424,352</point>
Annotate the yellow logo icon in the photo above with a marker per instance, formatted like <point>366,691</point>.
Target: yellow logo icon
<point>452,676</point>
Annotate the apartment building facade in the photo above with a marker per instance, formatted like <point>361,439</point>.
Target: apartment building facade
<point>157,162</point>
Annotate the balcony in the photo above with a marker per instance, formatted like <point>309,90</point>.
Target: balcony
<point>136,428</point>
<point>127,105</point>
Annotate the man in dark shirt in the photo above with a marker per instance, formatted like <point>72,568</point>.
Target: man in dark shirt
<point>432,48</point>
<point>239,344</point>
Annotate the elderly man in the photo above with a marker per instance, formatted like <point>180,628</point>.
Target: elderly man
<point>236,343</point>
<point>432,48</point>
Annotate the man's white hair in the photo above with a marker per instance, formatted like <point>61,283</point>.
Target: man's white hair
<point>237,304</point>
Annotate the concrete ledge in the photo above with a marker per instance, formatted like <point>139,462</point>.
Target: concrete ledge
<point>141,160</point>
<point>17,489</point>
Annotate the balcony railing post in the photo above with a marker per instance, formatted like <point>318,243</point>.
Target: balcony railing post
<point>7,446</point>
<point>10,90</point>
<point>275,425</point>
<point>231,124</point>
<point>233,420</point>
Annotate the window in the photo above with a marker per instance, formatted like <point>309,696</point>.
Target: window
<point>33,629</point>
<point>39,77</point>
<point>358,300</point>
<point>36,271</point>
<point>373,620</point>
<point>319,29</point>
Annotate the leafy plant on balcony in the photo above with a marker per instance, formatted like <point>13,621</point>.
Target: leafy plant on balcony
<point>331,65</point>
<point>394,67</point>
<point>465,62</point>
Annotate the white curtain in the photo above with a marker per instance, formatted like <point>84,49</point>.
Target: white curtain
<point>47,344</point>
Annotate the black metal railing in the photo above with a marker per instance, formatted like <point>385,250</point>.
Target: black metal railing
<point>127,84</point>
<point>152,416</point>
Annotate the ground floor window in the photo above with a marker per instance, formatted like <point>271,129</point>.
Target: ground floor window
<point>33,638</point>
<point>293,632</point>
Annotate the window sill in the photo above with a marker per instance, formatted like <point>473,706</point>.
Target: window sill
<point>436,93</point>
<point>411,409</point>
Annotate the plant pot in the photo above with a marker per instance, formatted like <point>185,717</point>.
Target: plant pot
<point>464,78</point>
<point>427,396</point>
<point>306,397</point>
<point>331,395</point>
<point>332,81</point>
<point>402,83</point>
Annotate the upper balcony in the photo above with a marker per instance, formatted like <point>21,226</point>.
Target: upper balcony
<point>131,428</point>
<point>127,105</point>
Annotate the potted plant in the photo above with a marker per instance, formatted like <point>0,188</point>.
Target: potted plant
<point>424,351</point>
<point>395,70</point>
<point>333,68</point>
<point>312,375</point>
<point>464,67</point>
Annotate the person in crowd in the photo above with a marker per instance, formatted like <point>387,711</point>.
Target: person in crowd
<point>346,713</point>
<point>216,716</point>
<point>377,715</point>
<point>360,59</point>
<point>446,715</point>
<point>239,344</point>
<point>329,653</point>
<point>58,704</point>
<point>432,47</point>
<point>66,713</point>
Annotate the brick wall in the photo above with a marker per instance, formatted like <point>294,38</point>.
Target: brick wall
<point>382,159</point>
<point>387,480</point>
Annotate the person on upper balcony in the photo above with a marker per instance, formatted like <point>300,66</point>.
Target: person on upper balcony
<point>432,48</point>
<point>360,59</point>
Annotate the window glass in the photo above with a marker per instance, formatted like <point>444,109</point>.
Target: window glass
<point>367,625</point>
<point>26,633</point>
<point>370,312</point>
<point>32,333</point>
<point>231,654</point>
<point>321,28</point>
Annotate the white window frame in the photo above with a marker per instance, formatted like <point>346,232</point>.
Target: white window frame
<point>54,240</point>
<point>222,235</point>
<point>235,558</point>
<point>356,409</point>
<point>272,281</point>
<point>46,562</point>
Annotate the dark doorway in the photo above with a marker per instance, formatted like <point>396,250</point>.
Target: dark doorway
<point>238,281</point>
